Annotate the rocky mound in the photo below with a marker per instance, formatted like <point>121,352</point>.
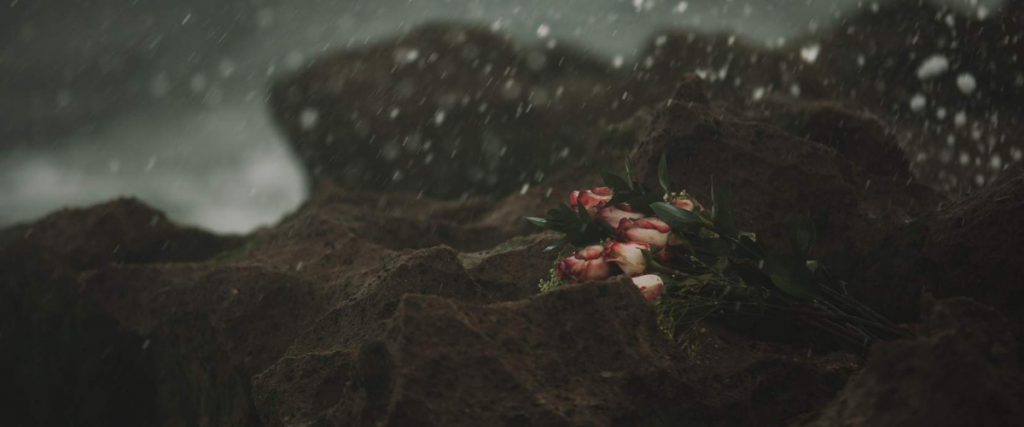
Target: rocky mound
<point>339,317</point>
<point>964,369</point>
<point>400,309</point>
<point>946,82</point>
<point>447,110</point>
<point>778,178</point>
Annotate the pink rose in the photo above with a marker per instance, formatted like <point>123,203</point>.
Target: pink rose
<point>592,199</point>
<point>629,256</point>
<point>613,215</point>
<point>652,231</point>
<point>586,265</point>
<point>684,204</point>
<point>650,285</point>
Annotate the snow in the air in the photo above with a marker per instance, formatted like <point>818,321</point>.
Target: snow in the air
<point>543,31</point>
<point>932,67</point>
<point>308,119</point>
<point>810,53</point>
<point>966,83</point>
<point>960,118</point>
<point>918,102</point>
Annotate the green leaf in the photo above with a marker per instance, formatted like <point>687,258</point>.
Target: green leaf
<point>749,249</point>
<point>721,264</point>
<point>680,220</point>
<point>803,238</point>
<point>663,173</point>
<point>566,213</point>
<point>540,222</point>
<point>608,228</point>
<point>616,183</point>
<point>720,247</point>
<point>557,243</point>
<point>642,202</point>
<point>562,218</point>
<point>583,214</point>
<point>724,222</point>
<point>790,276</point>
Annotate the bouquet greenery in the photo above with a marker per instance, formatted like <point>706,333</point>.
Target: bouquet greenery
<point>692,262</point>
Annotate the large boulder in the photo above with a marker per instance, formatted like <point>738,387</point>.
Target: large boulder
<point>777,178</point>
<point>945,81</point>
<point>963,369</point>
<point>580,355</point>
<point>448,110</point>
<point>158,324</point>
<point>589,355</point>
<point>964,248</point>
<point>58,363</point>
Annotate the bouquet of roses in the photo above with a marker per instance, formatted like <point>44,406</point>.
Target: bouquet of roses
<point>692,262</point>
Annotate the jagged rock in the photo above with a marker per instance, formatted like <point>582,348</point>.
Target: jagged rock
<point>204,332</point>
<point>336,337</point>
<point>448,109</point>
<point>972,247</point>
<point>856,134</point>
<point>170,324</point>
<point>962,248</point>
<point>451,364</point>
<point>753,382</point>
<point>122,231</point>
<point>963,369</point>
<point>57,364</point>
<point>777,178</point>
<point>579,355</point>
<point>959,127</point>
<point>365,308</point>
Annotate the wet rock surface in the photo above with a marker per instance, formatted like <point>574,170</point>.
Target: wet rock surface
<point>374,304</point>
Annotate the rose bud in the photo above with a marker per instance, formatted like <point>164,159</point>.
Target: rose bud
<point>650,285</point>
<point>587,264</point>
<point>592,199</point>
<point>684,203</point>
<point>651,231</point>
<point>629,256</point>
<point>614,215</point>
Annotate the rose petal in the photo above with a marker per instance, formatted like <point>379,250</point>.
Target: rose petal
<point>591,252</point>
<point>684,204</point>
<point>650,285</point>
<point>628,256</point>
<point>614,215</point>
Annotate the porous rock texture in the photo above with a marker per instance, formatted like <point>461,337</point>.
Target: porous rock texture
<point>395,308</point>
